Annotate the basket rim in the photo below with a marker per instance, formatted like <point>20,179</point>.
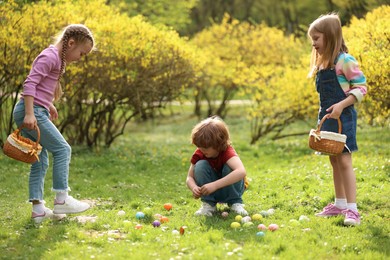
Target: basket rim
<point>327,117</point>
<point>23,139</point>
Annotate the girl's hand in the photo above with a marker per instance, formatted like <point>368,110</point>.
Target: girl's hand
<point>335,110</point>
<point>196,192</point>
<point>30,121</point>
<point>208,188</point>
<point>53,113</point>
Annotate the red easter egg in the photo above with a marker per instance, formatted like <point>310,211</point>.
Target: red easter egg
<point>168,206</point>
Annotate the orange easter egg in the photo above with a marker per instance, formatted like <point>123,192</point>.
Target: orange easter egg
<point>168,206</point>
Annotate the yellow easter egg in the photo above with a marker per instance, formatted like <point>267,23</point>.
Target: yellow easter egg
<point>257,217</point>
<point>238,218</point>
<point>235,225</point>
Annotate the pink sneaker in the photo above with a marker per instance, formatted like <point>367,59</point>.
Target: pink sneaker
<point>352,218</point>
<point>329,211</point>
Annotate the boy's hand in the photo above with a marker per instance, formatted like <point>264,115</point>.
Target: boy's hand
<point>196,192</point>
<point>208,188</point>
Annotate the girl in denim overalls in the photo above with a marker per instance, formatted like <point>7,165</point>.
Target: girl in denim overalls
<point>340,83</point>
<point>36,109</point>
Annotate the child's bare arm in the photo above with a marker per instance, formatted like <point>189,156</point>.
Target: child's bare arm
<point>191,184</point>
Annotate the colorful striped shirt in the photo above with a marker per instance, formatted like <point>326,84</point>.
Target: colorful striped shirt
<point>350,77</point>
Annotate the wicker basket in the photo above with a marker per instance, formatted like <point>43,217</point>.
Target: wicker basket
<point>21,148</point>
<point>327,142</point>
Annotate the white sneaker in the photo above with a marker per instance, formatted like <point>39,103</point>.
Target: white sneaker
<point>70,206</point>
<point>47,214</point>
<point>206,210</point>
<point>239,209</point>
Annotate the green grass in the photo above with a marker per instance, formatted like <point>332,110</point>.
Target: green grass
<point>148,166</point>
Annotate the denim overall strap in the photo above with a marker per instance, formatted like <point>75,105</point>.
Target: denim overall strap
<point>330,92</point>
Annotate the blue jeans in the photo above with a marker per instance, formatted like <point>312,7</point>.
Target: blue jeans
<point>51,141</point>
<point>204,173</point>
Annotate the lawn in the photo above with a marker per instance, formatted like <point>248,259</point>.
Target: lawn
<point>147,168</point>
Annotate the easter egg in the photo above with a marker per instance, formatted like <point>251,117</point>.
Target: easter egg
<point>121,213</point>
<point>139,215</point>
<point>273,227</point>
<point>257,217</point>
<point>303,218</point>
<point>235,225</point>
<point>270,211</point>
<point>138,226</point>
<point>261,227</point>
<point>264,213</point>
<point>182,229</point>
<point>168,206</point>
<point>238,218</point>
<point>224,214</point>
<point>156,223</point>
<point>157,216</point>
<point>147,210</point>
<point>175,232</point>
<point>246,219</point>
<point>127,223</point>
<point>260,234</point>
<point>294,222</point>
<point>164,219</point>
<point>248,224</point>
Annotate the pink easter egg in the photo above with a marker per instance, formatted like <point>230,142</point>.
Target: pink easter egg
<point>273,227</point>
<point>224,214</point>
<point>261,227</point>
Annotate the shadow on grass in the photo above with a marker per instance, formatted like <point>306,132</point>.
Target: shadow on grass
<point>380,241</point>
<point>34,241</point>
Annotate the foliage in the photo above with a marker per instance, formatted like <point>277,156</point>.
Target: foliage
<point>287,96</point>
<point>140,67</point>
<point>174,15</point>
<point>291,16</point>
<point>369,40</point>
<point>225,47</point>
<point>136,69</point>
<point>259,63</point>
<point>148,168</point>
<point>20,41</point>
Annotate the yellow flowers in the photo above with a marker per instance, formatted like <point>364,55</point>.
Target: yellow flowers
<point>368,40</point>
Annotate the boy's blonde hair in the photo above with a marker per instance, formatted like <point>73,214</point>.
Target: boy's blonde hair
<point>80,34</point>
<point>330,26</point>
<point>211,132</point>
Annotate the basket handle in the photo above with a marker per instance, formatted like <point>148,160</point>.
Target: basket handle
<point>323,120</point>
<point>19,130</point>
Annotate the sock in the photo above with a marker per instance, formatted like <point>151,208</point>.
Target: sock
<point>352,206</point>
<point>61,196</point>
<point>38,208</point>
<point>340,203</point>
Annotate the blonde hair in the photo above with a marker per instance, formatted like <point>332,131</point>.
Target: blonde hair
<point>330,26</point>
<point>211,132</point>
<point>80,34</point>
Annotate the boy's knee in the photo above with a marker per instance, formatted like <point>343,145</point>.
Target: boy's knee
<point>203,173</point>
<point>201,166</point>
